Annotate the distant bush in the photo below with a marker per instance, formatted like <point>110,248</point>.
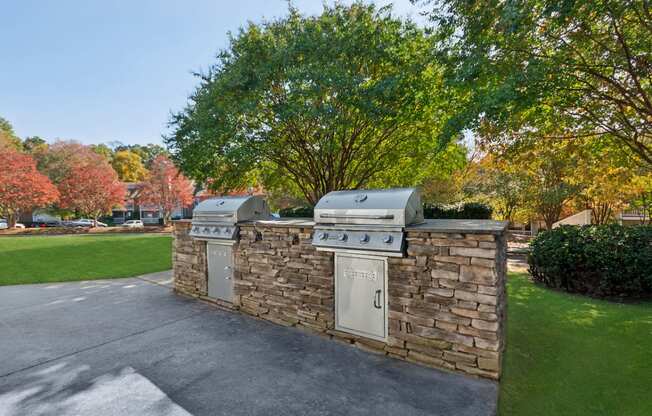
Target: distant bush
<point>297,212</point>
<point>599,260</point>
<point>467,211</point>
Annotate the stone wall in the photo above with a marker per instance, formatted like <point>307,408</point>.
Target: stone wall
<point>282,278</point>
<point>446,297</point>
<point>188,262</point>
<point>447,301</point>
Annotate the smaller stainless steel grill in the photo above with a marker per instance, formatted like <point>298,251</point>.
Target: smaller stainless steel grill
<point>217,218</point>
<point>367,220</point>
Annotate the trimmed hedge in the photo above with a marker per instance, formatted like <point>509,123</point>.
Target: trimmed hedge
<point>598,260</point>
<point>466,211</point>
<point>297,212</point>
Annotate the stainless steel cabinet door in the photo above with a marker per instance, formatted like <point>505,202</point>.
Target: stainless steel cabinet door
<point>220,271</point>
<point>360,295</point>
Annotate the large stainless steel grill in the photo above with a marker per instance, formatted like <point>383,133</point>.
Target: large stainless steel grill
<point>367,220</point>
<point>218,218</point>
<point>364,228</point>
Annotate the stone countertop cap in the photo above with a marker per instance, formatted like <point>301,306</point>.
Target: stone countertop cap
<point>461,226</point>
<point>440,226</point>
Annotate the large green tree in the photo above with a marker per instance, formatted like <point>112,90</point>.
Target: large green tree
<point>525,66</point>
<point>334,101</point>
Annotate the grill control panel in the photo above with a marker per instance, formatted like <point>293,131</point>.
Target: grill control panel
<point>214,231</point>
<point>378,240</point>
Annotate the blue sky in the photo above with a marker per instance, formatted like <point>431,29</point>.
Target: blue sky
<point>112,70</point>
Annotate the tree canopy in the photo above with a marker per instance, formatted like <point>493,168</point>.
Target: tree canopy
<point>526,66</point>
<point>8,138</point>
<point>147,152</point>
<point>166,187</point>
<point>22,186</point>
<point>327,102</point>
<point>91,189</point>
<point>57,160</point>
<point>129,166</point>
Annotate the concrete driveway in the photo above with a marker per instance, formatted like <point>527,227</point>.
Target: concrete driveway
<point>132,347</point>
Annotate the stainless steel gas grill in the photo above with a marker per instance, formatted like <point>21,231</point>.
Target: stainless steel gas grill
<point>364,228</point>
<point>217,219</point>
<point>369,220</point>
<point>216,222</point>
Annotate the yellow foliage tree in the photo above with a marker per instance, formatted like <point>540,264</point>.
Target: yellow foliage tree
<point>129,166</point>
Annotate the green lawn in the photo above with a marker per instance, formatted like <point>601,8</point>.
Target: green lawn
<point>571,355</point>
<point>66,258</point>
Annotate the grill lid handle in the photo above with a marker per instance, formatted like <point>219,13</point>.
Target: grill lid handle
<point>360,216</point>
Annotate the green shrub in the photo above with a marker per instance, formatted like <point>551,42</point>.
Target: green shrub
<point>466,211</point>
<point>599,260</point>
<point>297,212</point>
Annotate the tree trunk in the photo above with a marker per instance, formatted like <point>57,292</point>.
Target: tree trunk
<point>601,213</point>
<point>551,215</point>
<point>11,219</point>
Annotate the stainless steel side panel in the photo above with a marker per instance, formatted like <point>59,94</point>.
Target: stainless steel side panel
<point>360,295</point>
<point>220,271</point>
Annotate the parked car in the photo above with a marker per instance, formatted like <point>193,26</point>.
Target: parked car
<point>4,225</point>
<point>133,224</point>
<point>84,222</point>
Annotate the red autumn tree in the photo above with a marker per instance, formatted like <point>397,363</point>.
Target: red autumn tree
<point>57,159</point>
<point>22,186</point>
<point>166,187</point>
<point>91,189</point>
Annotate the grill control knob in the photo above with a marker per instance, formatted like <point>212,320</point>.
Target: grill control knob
<point>322,236</point>
<point>388,239</point>
<point>342,237</point>
<point>195,229</point>
<point>364,239</point>
<point>207,230</point>
<point>216,230</point>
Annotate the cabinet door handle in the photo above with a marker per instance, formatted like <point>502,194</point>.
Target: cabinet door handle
<point>377,304</point>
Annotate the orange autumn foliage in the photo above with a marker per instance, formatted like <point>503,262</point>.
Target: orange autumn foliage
<point>22,186</point>
<point>91,188</point>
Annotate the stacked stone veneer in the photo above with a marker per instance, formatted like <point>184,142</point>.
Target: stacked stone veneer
<point>189,262</point>
<point>446,297</point>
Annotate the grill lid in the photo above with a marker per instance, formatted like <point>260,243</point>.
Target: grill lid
<point>216,218</point>
<point>388,207</point>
